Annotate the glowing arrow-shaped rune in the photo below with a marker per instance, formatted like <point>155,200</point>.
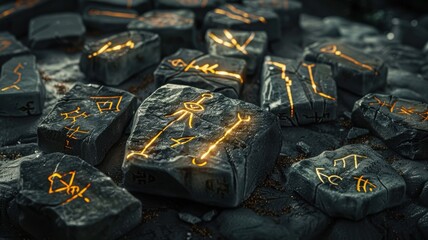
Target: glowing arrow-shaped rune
<point>331,178</point>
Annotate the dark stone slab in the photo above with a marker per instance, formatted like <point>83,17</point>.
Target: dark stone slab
<point>351,182</point>
<point>239,17</point>
<point>350,30</point>
<point>189,143</point>
<point>194,68</point>
<point>22,92</point>
<point>199,7</point>
<point>61,196</point>
<point>314,29</point>
<point>176,28</point>
<point>402,79</point>
<point>87,122</point>
<point>250,46</point>
<point>114,59</point>
<point>107,19</point>
<point>352,69</point>
<point>402,124</point>
<point>10,47</point>
<point>414,174</point>
<point>410,33</point>
<point>401,57</point>
<point>64,29</point>
<point>298,92</point>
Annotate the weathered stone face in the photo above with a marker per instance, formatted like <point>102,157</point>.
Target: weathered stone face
<point>10,47</point>
<point>22,92</point>
<point>196,69</point>
<point>113,60</point>
<point>249,46</point>
<point>87,122</point>
<point>245,18</point>
<point>402,124</point>
<point>61,196</point>
<point>190,143</point>
<point>350,182</point>
<point>199,7</point>
<point>352,69</point>
<point>298,92</point>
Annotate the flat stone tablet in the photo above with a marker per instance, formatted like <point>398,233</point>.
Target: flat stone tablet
<point>353,70</point>
<point>22,92</point>
<point>351,182</point>
<point>298,92</point>
<point>189,143</point>
<point>239,17</point>
<point>62,197</point>
<point>402,124</point>
<point>10,47</point>
<point>108,19</point>
<point>114,59</point>
<point>87,122</point>
<point>250,46</point>
<point>196,69</point>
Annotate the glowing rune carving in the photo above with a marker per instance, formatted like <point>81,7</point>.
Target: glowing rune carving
<point>201,161</point>
<point>181,141</point>
<point>75,131</point>
<point>19,78</point>
<point>207,69</point>
<point>108,103</point>
<point>74,115</point>
<point>109,48</point>
<point>288,83</point>
<point>313,84</point>
<point>67,187</point>
<point>332,49</point>
<point>363,184</point>
<point>231,42</point>
<point>343,160</point>
<point>185,114</point>
<point>330,178</point>
<point>116,14</point>
<point>240,15</point>
<point>402,110</point>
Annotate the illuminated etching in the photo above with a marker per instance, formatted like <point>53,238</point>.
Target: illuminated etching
<point>74,115</point>
<point>232,42</point>
<point>332,49</point>
<point>19,78</point>
<point>207,68</point>
<point>96,12</point>
<point>185,114</point>
<point>384,104</point>
<point>402,110</point>
<point>313,84</point>
<point>4,44</point>
<point>67,145</point>
<point>108,103</point>
<point>18,4</point>
<point>181,141</point>
<point>288,83</point>
<point>355,157</point>
<point>202,160</point>
<point>239,15</point>
<point>109,48</point>
<point>203,3</point>
<point>67,187</point>
<point>331,178</point>
<point>75,131</point>
<point>166,19</point>
<point>362,184</point>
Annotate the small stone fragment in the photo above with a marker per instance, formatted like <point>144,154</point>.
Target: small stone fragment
<point>10,47</point>
<point>189,218</point>
<point>356,133</point>
<point>303,148</point>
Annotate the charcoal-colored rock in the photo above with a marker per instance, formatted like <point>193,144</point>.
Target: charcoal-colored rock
<point>189,143</point>
<point>408,94</point>
<point>402,57</point>
<point>352,69</point>
<point>62,197</point>
<point>303,147</point>
<point>356,133</point>
<point>196,69</point>
<point>402,79</point>
<point>351,182</point>
<point>114,59</point>
<point>298,92</point>
<point>402,124</point>
<point>64,29</point>
<point>414,174</point>
<point>87,122</point>
<point>108,19</point>
<point>10,47</point>
<point>22,92</point>
<point>239,17</point>
<point>200,8</point>
<point>250,46</point>
<point>176,28</point>
<point>351,30</point>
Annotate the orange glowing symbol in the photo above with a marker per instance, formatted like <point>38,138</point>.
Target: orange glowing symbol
<point>231,42</point>
<point>67,187</point>
<point>75,131</point>
<point>108,48</point>
<point>16,72</point>
<point>406,111</point>
<point>363,184</point>
<point>116,14</point>
<point>202,160</point>
<point>331,178</point>
<point>234,13</point>
<point>108,103</point>
<point>288,83</point>
<point>384,104</point>
<point>424,116</point>
<point>185,114</point>
<point>313,84</point>
<point>74,115</point>
<point>332,49</point>
<point>181,141</point>
<point>18,4</point>
<point>207,69</point>
<point>343,160</point>
<point>4,44</point>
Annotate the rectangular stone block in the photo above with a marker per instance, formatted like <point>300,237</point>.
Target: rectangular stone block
<point>10,47</point>
<point>87,122</point>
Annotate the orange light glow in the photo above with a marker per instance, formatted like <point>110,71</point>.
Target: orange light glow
<point>363,184</point>
<point>232,42</point>
<point>75,131</point>
<point>108,103</point>
<point>15,71</point>
<point>331,178</point>
<point>332,49</point>
<point>288,83</point>
<point>108,48</point>
<point>68,187</point>
<point>74,115</point>
<point>96,12</point>
<point>234,13</point>
<point>181,141</point>
<point>343,160</point>
<point>314,86</point>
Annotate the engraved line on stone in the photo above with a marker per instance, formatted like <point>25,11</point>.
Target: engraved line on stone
<point>108,48</point>
<point>181,141</point>
<point>313,84</point>
<point>107,100</point>
<point>232,43</point>
<point>239,15</point>
<point>68,187</point>
<point>364,183</point>
<point>330,178</point>
<point>288,83</point>
<point>343,160</point>
<point>96,12</point>
<point>75,130</point>
<point>16,72</point>
<point>75,114</point>
<point>332,49</point>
